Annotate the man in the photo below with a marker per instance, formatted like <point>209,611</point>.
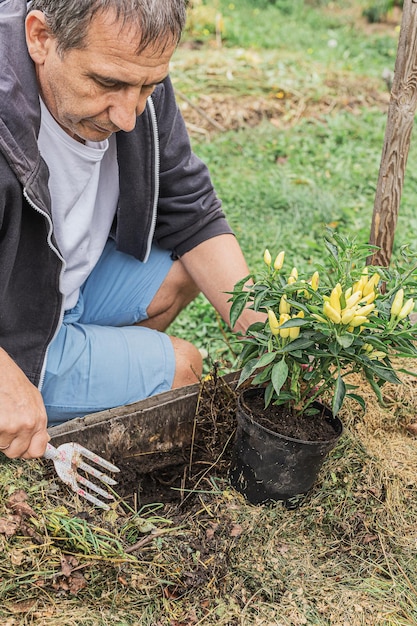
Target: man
<point>109,224</point>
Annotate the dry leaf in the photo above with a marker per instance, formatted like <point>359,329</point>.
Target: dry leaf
<point>30,532</point>
<point>76,583</point>
<point>412,428</point>
<point>22,508</point>
<point>236,530</point>
<point>17,557</point>
<point>17,502</point>
<point>22,607</point>
<point>68,563</point>
<point>10,525</point>
<point>17,496</point>
<point>211,530</point>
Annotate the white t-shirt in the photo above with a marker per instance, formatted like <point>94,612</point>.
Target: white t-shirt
<point>84,188</point>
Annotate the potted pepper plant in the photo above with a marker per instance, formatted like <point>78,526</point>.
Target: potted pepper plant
<point>346,318</point>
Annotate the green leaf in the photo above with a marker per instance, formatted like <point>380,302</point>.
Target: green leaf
<point>279,375</point>
<point>298,344</point>
<point>358,399</point>
<point>297,354</point>
<point>266,359</point>
<point>404,371</point>
<point>250,351</point>
<point>295,322</point>
<point>345,340</point>
<point>375,387</point>
<point>385,374</point>
<point>263,376</point>
<point>269,392</point>
<point>339,395</point>
<point>248,370</point>
<point>332,249</point>
<point>237,308</point>
<point>283,398</point>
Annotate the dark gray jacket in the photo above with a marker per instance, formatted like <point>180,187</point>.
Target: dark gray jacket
<point>165,195</point>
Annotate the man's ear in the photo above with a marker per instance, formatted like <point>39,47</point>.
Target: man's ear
<point>38,36</point>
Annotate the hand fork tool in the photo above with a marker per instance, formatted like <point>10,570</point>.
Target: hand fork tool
<point>67,459</point>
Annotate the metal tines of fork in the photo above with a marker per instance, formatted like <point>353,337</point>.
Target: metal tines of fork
<point>68,459</point>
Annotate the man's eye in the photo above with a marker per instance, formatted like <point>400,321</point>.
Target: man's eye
<point>105,84</point>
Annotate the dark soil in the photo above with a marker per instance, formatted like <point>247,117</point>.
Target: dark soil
<point>279,419</point>
<point>205,461</point>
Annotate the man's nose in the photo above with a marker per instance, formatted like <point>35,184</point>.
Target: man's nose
<point>127,105</point>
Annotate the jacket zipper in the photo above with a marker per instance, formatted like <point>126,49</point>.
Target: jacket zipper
<point>58,254</point>
<point>154,121</point>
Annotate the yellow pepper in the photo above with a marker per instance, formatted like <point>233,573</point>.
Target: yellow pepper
<point>365,310</point>
<point>335,298</point>
<point>284,307</point>
<point>284,332</point>
<point>331,313</point>
<point>279,261</point>
<point>294,332</point>
<point>359,286</point>
<point>267,257</point>
<point>406,309</point>
<point>315,281</point>
<point>370,286</point>
<point>397,303</point>
<point>358,320</point>
<point>273,323</point>
<point>353,299</point>
<point>319,318</point>
<point>377,355</point>
<point>292,278</point>
<point>369,298</point>
<point>347,316</point>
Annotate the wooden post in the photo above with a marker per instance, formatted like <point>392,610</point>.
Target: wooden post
<point>400,121</point>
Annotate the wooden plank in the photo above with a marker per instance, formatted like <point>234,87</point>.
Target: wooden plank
<point>398,131</point>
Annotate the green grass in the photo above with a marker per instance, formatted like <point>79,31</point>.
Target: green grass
<point>281,186</point>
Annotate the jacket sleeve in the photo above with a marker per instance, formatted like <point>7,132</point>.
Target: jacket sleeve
<point>189,211</point>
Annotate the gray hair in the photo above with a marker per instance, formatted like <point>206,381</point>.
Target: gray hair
<point>159,22</point>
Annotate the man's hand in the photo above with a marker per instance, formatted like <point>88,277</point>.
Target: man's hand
<point>23,418</point>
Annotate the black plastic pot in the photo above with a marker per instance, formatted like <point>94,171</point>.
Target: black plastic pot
<point>268,466</point>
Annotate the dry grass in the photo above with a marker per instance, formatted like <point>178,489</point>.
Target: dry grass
<point>231,89</point>
<point>345,556</point>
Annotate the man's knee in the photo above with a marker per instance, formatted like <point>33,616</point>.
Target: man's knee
<point>188,363</point>
<point>177,290</point>
<point>179,286</point>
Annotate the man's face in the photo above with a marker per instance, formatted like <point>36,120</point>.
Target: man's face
<point>97,90</point>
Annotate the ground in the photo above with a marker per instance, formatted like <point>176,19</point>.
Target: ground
<point>196,553</point>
